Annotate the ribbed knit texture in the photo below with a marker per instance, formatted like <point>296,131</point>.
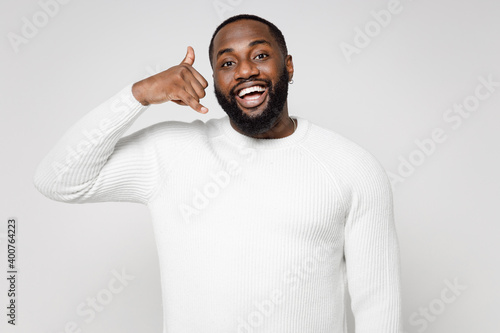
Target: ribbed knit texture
<point>253,235</point>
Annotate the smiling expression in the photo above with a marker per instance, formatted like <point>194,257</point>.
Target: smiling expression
<point>250,75</point>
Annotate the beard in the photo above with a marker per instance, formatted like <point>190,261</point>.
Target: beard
<point>253,125</point>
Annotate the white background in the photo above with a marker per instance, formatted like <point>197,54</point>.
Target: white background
<point>395,90</point>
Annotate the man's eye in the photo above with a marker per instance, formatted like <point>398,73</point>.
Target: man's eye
<point>227,63</point>
<point>261,56</point>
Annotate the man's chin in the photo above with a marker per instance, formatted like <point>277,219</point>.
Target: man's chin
<point>252,114</point>
<point>255,124</point>
<point>249,121</point>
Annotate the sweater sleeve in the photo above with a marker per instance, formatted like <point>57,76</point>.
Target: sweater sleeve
<point>371,250</point>
<point>93,163</point>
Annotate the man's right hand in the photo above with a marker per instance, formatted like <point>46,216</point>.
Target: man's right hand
<point>181,84</point>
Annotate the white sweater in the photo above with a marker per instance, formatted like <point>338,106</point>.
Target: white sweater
<point>253,235</point>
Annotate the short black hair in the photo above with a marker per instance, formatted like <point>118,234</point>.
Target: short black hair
<point>275,32</point>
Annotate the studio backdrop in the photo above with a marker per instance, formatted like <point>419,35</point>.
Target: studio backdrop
<point>414,82</point>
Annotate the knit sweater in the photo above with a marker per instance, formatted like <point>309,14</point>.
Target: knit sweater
<point>253,235</point>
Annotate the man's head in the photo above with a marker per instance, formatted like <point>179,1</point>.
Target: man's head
<point>273,30</point>
<point>251,71</point>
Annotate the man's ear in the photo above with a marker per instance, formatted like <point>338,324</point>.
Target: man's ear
<point>289,65</point>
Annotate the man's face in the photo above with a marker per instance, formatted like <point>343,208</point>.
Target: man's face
<point>250,75</point>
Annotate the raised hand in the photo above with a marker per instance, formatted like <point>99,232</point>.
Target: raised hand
<point>181,84</point>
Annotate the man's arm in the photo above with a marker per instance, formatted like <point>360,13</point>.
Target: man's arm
<point>372,251</point>
<point>92,162</point>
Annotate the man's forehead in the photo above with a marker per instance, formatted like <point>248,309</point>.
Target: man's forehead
<point>241,31</point>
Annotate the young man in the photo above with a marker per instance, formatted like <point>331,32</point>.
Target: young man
<point>263,222</point>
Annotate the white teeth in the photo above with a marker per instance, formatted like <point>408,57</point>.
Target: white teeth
<point>249,90</point>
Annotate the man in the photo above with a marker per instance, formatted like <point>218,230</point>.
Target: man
<point>263,222</point>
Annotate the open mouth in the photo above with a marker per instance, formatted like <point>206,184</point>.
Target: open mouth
<point>252,97</point>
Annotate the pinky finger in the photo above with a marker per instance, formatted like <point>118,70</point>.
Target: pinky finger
<point>193,102</point>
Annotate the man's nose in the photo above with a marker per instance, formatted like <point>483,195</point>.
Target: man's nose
<point>246,69</point>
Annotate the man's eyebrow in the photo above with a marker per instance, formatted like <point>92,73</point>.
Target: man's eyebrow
<point>255,42</point>
<point>259,41</point>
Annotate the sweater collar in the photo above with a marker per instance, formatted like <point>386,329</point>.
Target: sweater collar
<point>243,140</point>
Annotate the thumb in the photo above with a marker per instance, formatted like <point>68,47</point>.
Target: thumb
<point>189,58</point>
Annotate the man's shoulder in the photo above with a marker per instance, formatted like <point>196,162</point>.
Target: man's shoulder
<point>338,152</point>
<point>332,142</point>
